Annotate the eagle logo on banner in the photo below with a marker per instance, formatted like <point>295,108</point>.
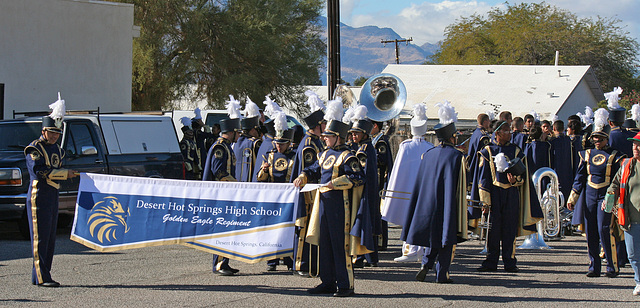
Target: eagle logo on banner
<point>107,219</point>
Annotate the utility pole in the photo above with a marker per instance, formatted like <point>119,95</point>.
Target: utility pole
<point>333,38</point>
<point>396,41</point>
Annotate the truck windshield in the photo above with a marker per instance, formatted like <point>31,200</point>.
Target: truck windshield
<point>16,136</point>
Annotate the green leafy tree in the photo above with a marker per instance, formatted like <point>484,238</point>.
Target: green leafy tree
<point>359,81</point>
<point>529,34</point>
<point>247,48</point>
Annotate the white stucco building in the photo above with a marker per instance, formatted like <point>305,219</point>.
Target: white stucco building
<point>82,49</point>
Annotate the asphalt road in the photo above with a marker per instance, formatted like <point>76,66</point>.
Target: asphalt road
<point>181,277</point>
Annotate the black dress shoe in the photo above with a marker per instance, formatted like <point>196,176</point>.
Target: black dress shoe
<point>593,274</point>
<point>514,269</point>
<point>448,280</point>
<point>611,274</point>
<point>358,264</point>
<point>422,274</point>
<point>234,270</point>
<point>343,293</point>
<point>271,268</point>
<point>486,269</point>
<point>49,284</point>
<point>367,264</point>
<point>225,272</point>
<point>301,274</point>
<point>322,289</point>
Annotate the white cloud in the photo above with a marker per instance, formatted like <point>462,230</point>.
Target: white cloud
<point>426,22</point>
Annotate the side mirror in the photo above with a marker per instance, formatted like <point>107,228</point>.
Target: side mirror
<point>89,150</point>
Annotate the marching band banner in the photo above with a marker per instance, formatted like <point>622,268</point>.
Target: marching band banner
<point>249,222</point>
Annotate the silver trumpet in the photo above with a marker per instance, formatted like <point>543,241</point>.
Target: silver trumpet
<point>485,221</point>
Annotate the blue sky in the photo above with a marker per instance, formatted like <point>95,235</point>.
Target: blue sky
<point>425,20</point>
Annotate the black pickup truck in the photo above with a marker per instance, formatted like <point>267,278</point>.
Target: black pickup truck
<point>133,145</point>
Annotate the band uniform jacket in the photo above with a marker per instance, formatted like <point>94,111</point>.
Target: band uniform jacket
<point>437,214</point>
<point>192,160</point>
<point>246,150</point>
<point>368,224</point>
<point>562,162</point>
<point>221,162</point>
<point>385,160</point>
<point>280,165</point>
<point>44,162</point>
<point>265,147</point>
<point>402,179</point>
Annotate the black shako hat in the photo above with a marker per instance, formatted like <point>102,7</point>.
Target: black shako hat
<point>336,128</point>
<point>445,131</point>
<point>363,126</point>
<point>314,119</point>
<point>49,124</point>
<point>229,125</point>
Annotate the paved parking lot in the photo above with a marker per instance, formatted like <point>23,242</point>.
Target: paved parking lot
<point>180,276</point>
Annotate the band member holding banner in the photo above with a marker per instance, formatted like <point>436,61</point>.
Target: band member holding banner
<point>437,209</point>
<point>367,225</point>
<point>220,166</point>
<point>595,170</point>
<point>276,167</point>
<point>403,177</point>
<point>504,186</point>
<point>248,143</point>
<point>44,162</point>
<point>305,255</point>
<point>335,204</point>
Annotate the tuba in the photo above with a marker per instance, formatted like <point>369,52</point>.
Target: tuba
<point>384,95</point>
<point>551,200</point>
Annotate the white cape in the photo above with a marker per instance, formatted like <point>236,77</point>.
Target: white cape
<point>403,178</point>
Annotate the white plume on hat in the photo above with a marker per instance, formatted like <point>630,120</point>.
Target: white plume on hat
<point>600,119</point>
<point>360,113</point>
<point>536,116</point>
<point>491,114</point>
<point>280,122</point>
<point>334,110</point>
<point>251,110</point>
<point>419,121</point>
<point>613,97</point>
<point>555,118</point>
<point>446,113</point>
<point>233,108</point>
<point>198,113</point>
<point>501,162</point>
<point>635,112</point>
<point>587,117</point>
<point>58,109</point>
<point>270,107</point>
<point>185,121</point>
<point>348,114</point>
<point>313,101</point>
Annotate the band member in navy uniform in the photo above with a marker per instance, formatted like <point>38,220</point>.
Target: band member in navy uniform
<point>305,255</point>
<point>562,162</point>
<point>437,210</point>
<point>367,225</point>
<point>380,141</point>
<point>203,137</point>
<point>538,150</point>
<point>248,143</point>
<point>276,168</point>
<point>270,110</point>
<point>519,136</point>
<point>190,153</point>
<point>597,166</point>
<point>220,166</point>
<point>44,162</point>
<point>502,179</point>
<point>403,178</point>
<point>478,140</point>
<point>342,173</point>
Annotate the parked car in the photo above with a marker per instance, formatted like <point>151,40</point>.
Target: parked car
<point>133,145</point>
<point>209,117</point>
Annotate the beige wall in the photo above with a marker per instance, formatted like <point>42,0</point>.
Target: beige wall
<point>82,49</point>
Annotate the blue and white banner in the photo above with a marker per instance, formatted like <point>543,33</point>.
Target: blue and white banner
<point>249,222</point>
